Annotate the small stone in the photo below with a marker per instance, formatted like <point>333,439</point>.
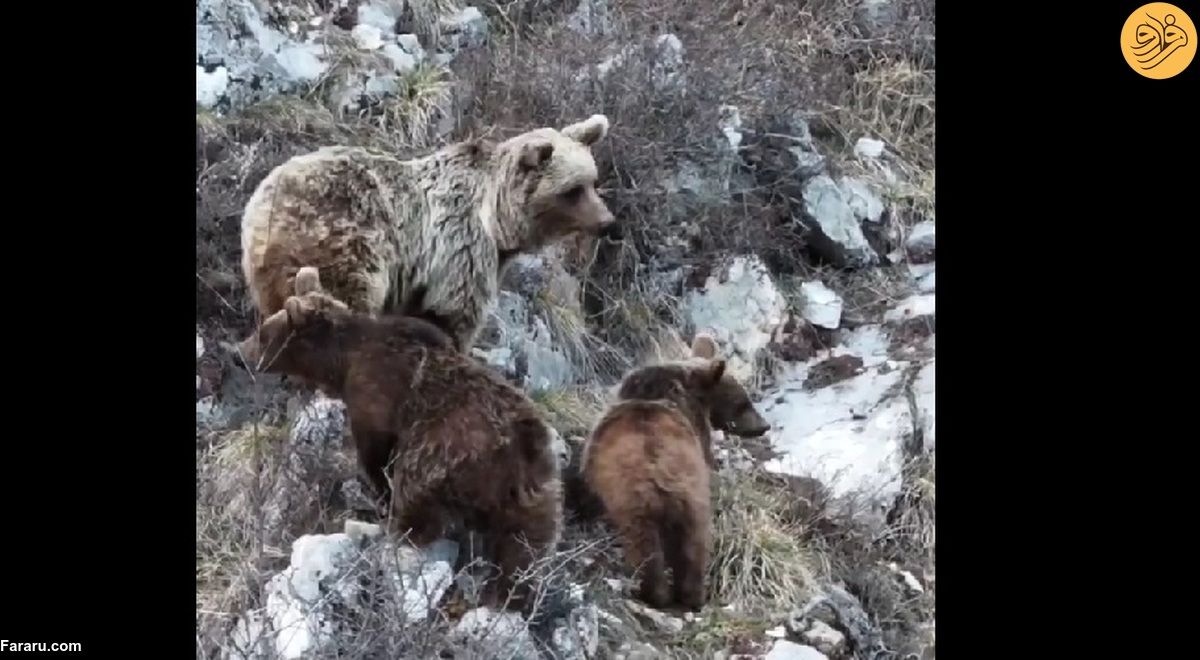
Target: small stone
<point>470,25</point>
<point>670,44</point>
<point>927,283</point>
<point>380,15</point>
<point>785,650</point>
<point>500,633</point>
<point>403,61</point>
<point>360,532</point>
<point>637,651</point>
<point>876,16</point>
<point>865,205</point>
<point>730,124</point>
<point>909,580</point>
<point>808,163</point>
<point>367,37</point>
<point>912,307</point>
<point>199,347</point>
<point>421,576</point>
<point>867,147</point>
<point>210,87</point>
<point>664,622</point>
<point>778,632</point>
<point>920,243</point>
<point>822,307</point>
<point>923,276</point>
<point>411,45</point>
<point>824,638</point>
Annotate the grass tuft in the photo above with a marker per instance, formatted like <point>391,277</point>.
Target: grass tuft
<point>760,562</point>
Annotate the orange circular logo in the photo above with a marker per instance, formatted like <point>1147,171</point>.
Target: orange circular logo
<point>1158,40</point>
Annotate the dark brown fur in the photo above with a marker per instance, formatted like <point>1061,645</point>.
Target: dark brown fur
<point>453,436</point>
<point>649,460</point>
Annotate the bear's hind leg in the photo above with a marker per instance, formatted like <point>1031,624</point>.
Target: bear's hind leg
<point>644,554</point>
<point>688,554</point>
<point>423,523</point>
<point>374,452</point>
<point>525,536</point>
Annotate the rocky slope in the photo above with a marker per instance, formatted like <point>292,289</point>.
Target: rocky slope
<point>775,188</point>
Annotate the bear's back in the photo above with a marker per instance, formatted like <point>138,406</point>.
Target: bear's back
<point>644,444</point>
<point>413,364</point>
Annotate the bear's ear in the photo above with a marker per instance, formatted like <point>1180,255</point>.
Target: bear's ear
<point>711,373</point>
<point>308,280</point>
<point>704,346</point>
<point>589,131</point>
<point>535,152</point>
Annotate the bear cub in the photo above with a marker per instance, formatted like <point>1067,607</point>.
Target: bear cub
<point>648,460</point>
<point>453,437</point>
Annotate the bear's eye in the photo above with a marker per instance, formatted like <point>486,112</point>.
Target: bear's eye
<point>573,194</point>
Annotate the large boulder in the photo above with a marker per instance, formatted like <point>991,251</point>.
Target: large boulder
<point>850,436</point>
<point>833,213</point>
<point>313,604</point>
<point>741,308</point>
<point>850,418</point>
<point>533,332</point>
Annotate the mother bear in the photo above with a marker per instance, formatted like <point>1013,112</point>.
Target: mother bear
<point>426,237</point>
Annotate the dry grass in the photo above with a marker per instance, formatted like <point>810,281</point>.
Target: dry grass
<point>231,556</point>
<point>571,411</point>
<point>760,562</point>
<point>424,96</point>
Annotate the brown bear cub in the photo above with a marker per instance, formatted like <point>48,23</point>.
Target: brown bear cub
<point>453,437</point>
<point>648,460</point>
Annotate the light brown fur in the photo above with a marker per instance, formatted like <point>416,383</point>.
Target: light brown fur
<point>453,436</point>
<point>648,460</point>
<point>426,237</point>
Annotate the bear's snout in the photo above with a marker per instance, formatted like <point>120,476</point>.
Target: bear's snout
<point>597,211</point>
<point>610,229</point>
<point>604,220</point>
<point>750,426</point>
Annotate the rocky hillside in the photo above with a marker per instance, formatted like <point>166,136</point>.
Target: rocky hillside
<point>771,164</point>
